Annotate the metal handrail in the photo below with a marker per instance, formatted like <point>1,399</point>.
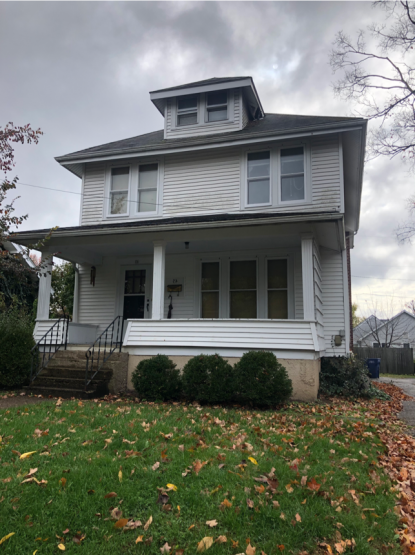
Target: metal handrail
<point>60,330</point>
<point>107,337</point>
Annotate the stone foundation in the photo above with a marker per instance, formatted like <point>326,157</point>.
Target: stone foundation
<point>303,373</point>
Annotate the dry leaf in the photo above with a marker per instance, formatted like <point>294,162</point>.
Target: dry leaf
<point>166,548</point>
<point>147,524</point>
<point>112,494</point>
<point>250,550</point>
<point>303,480</point>
<point>289,488</point>
<point>221,539</point>
<point>212,523</point>
<point>226,503</point>
<point>61,547</point>
<point>253,461</point>
<point>63,482</point>
<point>139,539</point>
<point>171,487</point>
<point>197,466</point>
<point>155,466</point>
<point>120,476</point>
<point>298,517</point>
<point>4,538</point>
<point>181,448</point>
<point>204,544</point>
<point>26,455</point>
<point>250,503</point>
<point>121,523</point>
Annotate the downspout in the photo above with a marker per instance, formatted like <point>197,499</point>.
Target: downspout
<point>349,284</point>
<point>75,312</point>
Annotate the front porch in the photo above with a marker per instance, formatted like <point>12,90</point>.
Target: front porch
<point>223,290</point>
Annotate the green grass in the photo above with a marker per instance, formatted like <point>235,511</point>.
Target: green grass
<point>336,445</point>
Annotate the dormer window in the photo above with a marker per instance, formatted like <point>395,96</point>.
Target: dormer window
<point>217,106</point>
<point>187,110</point>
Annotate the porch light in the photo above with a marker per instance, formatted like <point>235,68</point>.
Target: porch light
<point>186,244</point>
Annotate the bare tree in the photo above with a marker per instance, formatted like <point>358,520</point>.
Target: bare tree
<point>411,306</point>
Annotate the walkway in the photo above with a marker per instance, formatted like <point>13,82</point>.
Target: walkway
<point>408,411</point>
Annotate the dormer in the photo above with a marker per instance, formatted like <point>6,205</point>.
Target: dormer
<point>217,105</point>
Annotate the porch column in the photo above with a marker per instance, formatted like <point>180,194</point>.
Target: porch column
<point>159,264</point>
<point>308,276</point>
<point>75,294</point>
<point>45,282</point>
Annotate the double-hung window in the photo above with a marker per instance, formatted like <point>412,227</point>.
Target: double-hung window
<point>277,284</point>
<point>210,290</point>
<point>292,174</point>
<point>187,110</point>
<point>243,289</point>
<point>217,106</point>
<point>120,179</point>
<point>147,188</point>
<point>258,178</point>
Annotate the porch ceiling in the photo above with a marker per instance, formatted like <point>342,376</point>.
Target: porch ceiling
<point>91,249</point>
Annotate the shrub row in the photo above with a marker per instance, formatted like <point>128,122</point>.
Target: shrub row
<point>258,379</point>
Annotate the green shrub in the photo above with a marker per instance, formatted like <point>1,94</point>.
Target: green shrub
<point>261,380</point>
<point>347,377</point>
<point>208,379</point>
<point>16,341</point>
<point>157,379</point>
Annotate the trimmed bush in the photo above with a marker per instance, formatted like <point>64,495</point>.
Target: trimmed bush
<point>157,379</point>
<point>261,380</point>
<point>208,379</point>
<point>347,377</point>
<point>16,341</point>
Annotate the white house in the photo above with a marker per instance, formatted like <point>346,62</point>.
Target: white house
<point>398,331</point>
<point>240,220</point>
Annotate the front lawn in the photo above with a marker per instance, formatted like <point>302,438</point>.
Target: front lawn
<point>304,479</point>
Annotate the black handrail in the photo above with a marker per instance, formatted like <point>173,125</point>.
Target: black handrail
<point>55,338</point>
<point>111,337</point>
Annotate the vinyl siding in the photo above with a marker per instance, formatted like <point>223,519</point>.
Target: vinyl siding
<point>181,268</point>
<point>200,183</point>
<point>298,287</point>
<point>325,173</point>
<point>203,129</point>
<point>93,194</point>
<point>333,300</point>
<point>245,114</point>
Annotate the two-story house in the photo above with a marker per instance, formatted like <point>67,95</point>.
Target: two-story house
<point>228,230</point>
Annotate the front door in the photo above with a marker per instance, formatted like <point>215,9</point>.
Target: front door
<point>137,290</point>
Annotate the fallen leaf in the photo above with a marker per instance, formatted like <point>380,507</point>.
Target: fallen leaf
<point>116,514</point>
<point>298,517</point>
<point>121,523</point>
<point>139,539</point>
<point>197,466</point>
<point>155,466</point>
<point>181,448</point>
<point>250,503</point>
<point>250,550</point>
<point>65,531</point>
<point>61,547</point>
<point>253,461</point>
<point>221,539</point>
<point>289,488</point>
<point>212,523</point>
<point>226,503</point>
<point>171,487</point>
<point>31,472</point>
<point>314,486</point>
<point>4,538</point>
<point>63,482</point>
<point>112,494</point>
<point>165,548</point>
<point>120,476</point>
<point>204,544</point>
<point>147,524</point>
<point>26,455</point>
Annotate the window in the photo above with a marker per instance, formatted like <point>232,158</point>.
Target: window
<point>277,280</point>
<point>258,178</point>
<point>406,345</point>
<point>120,178</point>
<point>210,290</point>
<point>217,106</point>
<point>147,188</point>
<point>376,345</point>
<point>187,110</point>
<point>292,174</point>
<point>243,285</point>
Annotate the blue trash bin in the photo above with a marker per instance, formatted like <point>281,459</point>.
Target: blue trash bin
<point>374,367</point>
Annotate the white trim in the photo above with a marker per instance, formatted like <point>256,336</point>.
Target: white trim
<point>307,175</point>
<point>81,208</point>
<point>342,202</point>
<point>119,297</point>
<point>207,146</point>
<point>308,276</point>
<point>159,278</point>
<point>346,301</point>
<point>108,180</point>
<point>201,89</point>
<point>201,111</point>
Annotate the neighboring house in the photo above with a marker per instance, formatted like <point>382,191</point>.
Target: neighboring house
<point>20,252</point>
<point>398,331</point>
<point>240,220</point>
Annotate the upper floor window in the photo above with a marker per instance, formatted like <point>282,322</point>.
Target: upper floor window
<point>187,110</point>
<point>292,174</point>
<point>120,179</point>
<point>217,106</point>
<point>147,188</point>
<point>258,178</point>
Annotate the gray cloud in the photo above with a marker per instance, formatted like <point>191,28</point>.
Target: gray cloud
<point>82,72</point>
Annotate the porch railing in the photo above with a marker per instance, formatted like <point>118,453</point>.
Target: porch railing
<point>102,348</point>
<point>55,338</point>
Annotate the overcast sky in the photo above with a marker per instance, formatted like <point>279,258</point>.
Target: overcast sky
<point>82,72</point>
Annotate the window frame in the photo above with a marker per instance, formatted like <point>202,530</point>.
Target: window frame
<point>180,112</point>
<point>246,178</point>
<point>206,106</point>
<point>138,213</point>
<point>290,278</point>
<point>307,175</point>
<point>110,192</point>
<point>202,116</point>
<point>200,290</point>
<point>229,290</point>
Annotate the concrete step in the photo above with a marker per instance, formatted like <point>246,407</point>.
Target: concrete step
<point>74,373</point>
<point>80,355</point>
<point>63,382</point>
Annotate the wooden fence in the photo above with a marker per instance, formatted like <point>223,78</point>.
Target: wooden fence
<point>392,360</point>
